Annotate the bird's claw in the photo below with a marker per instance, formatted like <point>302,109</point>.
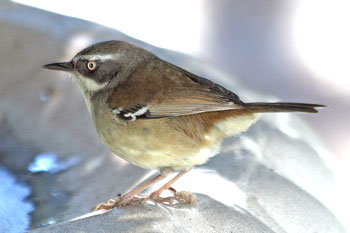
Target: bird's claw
<point>118,202</point>
<point>185,197</point>
<point>180,197</point>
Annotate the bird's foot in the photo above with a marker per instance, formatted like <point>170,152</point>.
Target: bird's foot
<point>105,206</point>
<point>121,201</point>
<point>185,197</point>
<point>180,197</point>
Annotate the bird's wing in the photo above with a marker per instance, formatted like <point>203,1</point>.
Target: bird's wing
<point>160,89</point>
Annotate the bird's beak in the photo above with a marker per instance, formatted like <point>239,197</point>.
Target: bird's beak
<point>63,66</point>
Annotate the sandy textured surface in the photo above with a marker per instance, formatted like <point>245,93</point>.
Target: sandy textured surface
<point>264,181</point>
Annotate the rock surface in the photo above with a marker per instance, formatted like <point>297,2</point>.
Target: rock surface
<point>205,216</point>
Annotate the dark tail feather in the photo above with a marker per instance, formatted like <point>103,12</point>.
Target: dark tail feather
<point>283,107</point>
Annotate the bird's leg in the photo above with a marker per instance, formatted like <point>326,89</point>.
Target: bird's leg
<point>127,197</point>
<point>179,196</point>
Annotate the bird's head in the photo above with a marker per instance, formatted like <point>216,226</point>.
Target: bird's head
<point>103,65</point>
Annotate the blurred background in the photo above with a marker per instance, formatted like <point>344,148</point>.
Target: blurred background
<point>294,51</point>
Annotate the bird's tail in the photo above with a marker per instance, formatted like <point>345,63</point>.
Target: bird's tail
<point>283,107</point>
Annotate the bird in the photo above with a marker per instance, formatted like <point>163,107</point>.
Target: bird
<point>157,115</point>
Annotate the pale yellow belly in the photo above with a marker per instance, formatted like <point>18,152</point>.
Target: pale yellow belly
<point>157,143</point>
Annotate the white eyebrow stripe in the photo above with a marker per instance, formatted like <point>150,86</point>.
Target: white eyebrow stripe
<point>101,57</point>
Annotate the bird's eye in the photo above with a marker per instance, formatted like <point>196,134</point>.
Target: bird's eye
<point>91,65</point>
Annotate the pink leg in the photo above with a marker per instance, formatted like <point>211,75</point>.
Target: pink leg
<point>126,198</point>
<point>156,194</point>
